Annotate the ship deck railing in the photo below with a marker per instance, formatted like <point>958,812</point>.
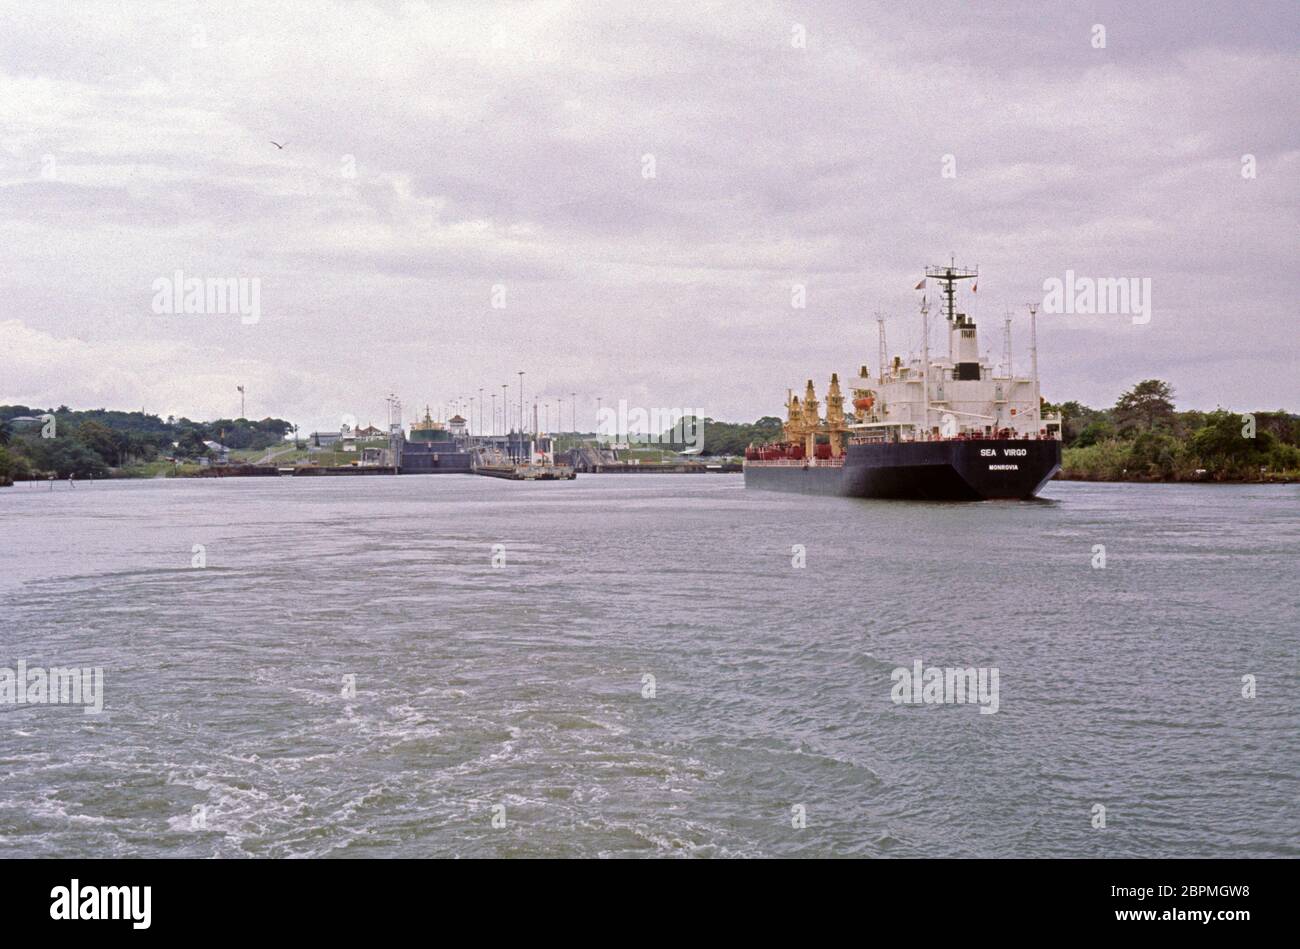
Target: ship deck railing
<point>964,437</point>
<point>799,462</point>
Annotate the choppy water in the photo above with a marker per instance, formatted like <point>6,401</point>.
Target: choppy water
<point>226,731</point>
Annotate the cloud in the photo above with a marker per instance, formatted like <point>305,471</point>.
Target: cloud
<point>435,152</point>
<point>163,377</point>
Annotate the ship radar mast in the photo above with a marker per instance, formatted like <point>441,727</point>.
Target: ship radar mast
<point>948,277</point>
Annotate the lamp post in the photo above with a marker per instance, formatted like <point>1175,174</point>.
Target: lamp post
<point>521,407</point>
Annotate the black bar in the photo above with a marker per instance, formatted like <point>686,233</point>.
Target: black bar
<point>935,901</point>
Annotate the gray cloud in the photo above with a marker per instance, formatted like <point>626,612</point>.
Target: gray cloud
<point>435,151</point>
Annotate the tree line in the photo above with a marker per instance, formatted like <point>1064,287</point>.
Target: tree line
<point>1144,437</point>
<point>721,438</point>
<point>36,442</point>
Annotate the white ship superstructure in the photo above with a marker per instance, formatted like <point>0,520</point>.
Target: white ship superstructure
<point>961,396</point>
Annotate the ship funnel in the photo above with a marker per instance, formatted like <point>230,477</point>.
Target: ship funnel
<point>965,348</point>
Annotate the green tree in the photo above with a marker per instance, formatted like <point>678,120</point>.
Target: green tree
<point>99,439</point>
<point>65,456</point>
<point>1094,432</point>
<point>1155,454</point>
<point>1148,405</point>
<point>12,467</point>
<point>1284,426</point>
<point>190,444</point>
<point>1081,425</point>
<point>1220,446</point>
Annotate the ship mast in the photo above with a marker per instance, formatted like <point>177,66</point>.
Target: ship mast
<point>925,360</point>
<point>1006,349</point>
<point>948,277</point>
<point>1033,362</point>
<point>884,355</point>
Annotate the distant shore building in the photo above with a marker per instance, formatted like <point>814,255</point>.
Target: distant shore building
<point>219,451</point>
<point>24,420</point>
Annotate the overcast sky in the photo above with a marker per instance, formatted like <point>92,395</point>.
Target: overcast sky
<point>436,151</point>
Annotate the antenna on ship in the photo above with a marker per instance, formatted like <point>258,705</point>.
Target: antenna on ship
<point>925,360</point>
<point>1033,360</point>
<point>884,358</point>
<point>1006,344</point>
<point>948,277</point>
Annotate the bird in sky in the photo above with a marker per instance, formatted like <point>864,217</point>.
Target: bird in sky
<point>278,145</point>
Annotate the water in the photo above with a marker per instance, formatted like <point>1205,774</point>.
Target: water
<point>226,730</point>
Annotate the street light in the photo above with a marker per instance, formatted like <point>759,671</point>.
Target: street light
<point>520,411</point>
<point>521,407</point>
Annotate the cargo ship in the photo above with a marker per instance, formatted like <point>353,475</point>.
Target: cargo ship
<point>434,448</point>
<point>941,429</point>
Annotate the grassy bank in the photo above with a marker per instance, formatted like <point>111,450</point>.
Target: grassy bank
<point>1113,460</point>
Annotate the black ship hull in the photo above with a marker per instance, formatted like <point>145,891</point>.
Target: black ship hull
<point>443,457</point>
<point>976,470</point>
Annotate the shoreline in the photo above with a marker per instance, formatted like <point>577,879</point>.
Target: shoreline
<point>323,472</point>
<point>1205,481</point>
